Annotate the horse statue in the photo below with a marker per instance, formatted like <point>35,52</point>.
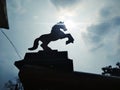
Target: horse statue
<point>55,34</point>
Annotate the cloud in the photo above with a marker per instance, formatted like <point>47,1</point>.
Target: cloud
<point>98,32</point>
<point>64,3</point>
<point>115,56</point>
<point>106,31</point>
<point>16,6</point>
<point>106,12</point>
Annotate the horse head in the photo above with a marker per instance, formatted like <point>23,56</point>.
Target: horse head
<point>62,26</point>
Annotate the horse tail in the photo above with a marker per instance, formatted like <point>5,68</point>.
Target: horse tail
<point>42,38</point>
<point>35,44</point>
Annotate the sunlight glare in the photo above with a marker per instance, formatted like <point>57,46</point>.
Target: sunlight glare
<point>68,18</point>
<point>70,24</point>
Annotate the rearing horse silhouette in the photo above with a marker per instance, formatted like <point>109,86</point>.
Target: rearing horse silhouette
<point>55,34</point>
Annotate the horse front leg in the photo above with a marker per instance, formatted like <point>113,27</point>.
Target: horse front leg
<point>35,44</point>
<point>70,39</point>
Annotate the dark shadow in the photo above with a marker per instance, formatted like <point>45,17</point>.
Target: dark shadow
<point>54,71</point>
<point>55,34</point>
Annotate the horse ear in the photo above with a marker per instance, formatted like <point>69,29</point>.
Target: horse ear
<point>61,22</point>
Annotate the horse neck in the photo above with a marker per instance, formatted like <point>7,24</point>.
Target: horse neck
<point>56,27</point>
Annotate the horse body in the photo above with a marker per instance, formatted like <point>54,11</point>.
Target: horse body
<point>54,35</point>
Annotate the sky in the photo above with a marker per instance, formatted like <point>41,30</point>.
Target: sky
<point>94,24</point>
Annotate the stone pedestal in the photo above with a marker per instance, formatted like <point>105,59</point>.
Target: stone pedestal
<point>53,60</point>
<point>54,71</point>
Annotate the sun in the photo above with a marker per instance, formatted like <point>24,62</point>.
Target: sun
<point>67,18</point>
<point>70,24</point>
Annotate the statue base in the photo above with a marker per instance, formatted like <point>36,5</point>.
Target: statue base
<point>53,60</point>
<point>54,71</point>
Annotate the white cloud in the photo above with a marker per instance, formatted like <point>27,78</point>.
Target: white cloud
<point>17,6</point>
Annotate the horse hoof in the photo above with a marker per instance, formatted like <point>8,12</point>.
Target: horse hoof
<point>67,42</point>
<point>31,49</point>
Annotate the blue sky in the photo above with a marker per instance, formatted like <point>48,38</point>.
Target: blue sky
<point>94,24</point>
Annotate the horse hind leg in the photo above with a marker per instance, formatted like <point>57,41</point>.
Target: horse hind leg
<point>35,44</point>
<point>45,47</point>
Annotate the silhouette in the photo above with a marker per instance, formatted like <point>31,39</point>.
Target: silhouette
<point>112,71</point>
<point>56,33</point>
<point>13,85</point>
<point>54,70</point>
<point>118,64</point>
